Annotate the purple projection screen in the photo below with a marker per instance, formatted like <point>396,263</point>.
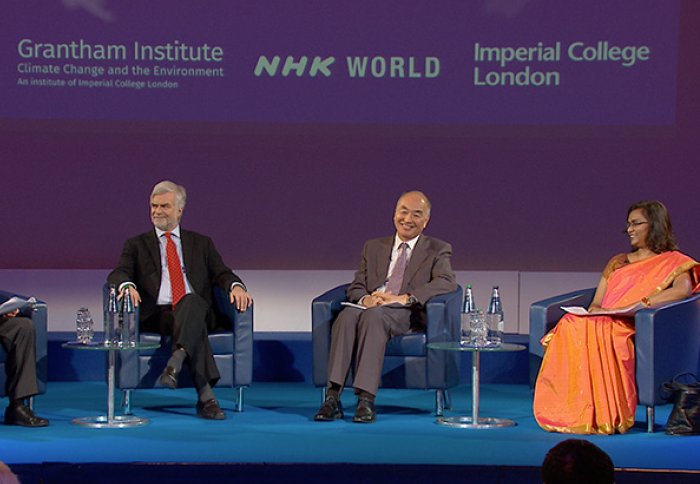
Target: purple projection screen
<point>531,124</point>
<point>295,61</point>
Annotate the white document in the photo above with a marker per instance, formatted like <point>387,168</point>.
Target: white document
<point>581,311</point>
<point>352,305</point>
<point>577,310</point>
<point>15,303</point>
<point>360,306</point>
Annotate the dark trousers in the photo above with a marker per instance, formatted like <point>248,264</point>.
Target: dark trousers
<point>18,339</point>
<point>362,335</point>
<point>187,325</point>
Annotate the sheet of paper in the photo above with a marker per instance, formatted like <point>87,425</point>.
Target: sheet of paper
<point>352,305</point>
<point>581,311</point>
<point>577,310</point>
<point>15,303</point>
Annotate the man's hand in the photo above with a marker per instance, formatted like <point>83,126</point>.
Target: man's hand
<point>371,300</point>
<point>11,314</point>
<point>240,298</point>
<point>391,298</point>
<point>135,296</point>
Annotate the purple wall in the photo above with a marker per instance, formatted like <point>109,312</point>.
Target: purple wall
<point>305,196</point>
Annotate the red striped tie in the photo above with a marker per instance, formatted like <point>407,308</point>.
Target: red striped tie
<point>177,282</point>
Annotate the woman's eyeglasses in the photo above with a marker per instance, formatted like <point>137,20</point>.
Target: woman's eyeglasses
<point>635,224</point>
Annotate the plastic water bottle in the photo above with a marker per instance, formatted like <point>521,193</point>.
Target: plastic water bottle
<point>469,304</point>
<point>467,307</point>
<point>495,306</point>
<point>494,318</point>
<point>110,317</point>
<point>128,326</point>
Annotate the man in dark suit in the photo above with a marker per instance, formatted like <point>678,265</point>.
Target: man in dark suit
<point>18,338</point>
<point>169,273</point>
<point>397,275</point>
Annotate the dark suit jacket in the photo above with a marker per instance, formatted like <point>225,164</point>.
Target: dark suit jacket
<point>428,273</point>
<point>140,264</point>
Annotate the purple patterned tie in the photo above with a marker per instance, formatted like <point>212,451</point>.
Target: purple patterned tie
<point>393,285</point>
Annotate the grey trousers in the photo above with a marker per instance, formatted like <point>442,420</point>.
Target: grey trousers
<point>361,335</point>
<point>18,339</point>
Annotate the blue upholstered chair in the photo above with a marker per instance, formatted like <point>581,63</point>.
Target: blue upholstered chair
<point>407,362</point>
<point>38,314</point>
<point>667,341</point>
<point>233,354</point>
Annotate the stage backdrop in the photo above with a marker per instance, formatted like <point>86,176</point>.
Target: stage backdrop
<point>295,125</point>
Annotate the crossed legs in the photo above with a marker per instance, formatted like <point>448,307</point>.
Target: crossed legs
<point>190,344</point>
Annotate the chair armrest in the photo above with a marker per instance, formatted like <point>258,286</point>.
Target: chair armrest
<point>324,310</point>
<point>443,323</point>
<point>443,318</point>
<point>546,313</point>
<point>667,343</point>
<point>4,296</point>
<point>242,327</point>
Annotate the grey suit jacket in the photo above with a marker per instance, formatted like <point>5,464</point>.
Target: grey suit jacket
<point>140,264</point>
<point>428,273</point>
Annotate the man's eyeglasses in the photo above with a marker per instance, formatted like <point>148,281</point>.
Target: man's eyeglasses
<point>635,224</point>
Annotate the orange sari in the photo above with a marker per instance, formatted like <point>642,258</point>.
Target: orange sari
<point>586,384</point>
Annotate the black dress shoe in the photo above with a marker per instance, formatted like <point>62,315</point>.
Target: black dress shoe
<point>24,416</point>
<point>210,410</point>
<point>169,377</point>
<point>332,409</point>
<point>364,413</point>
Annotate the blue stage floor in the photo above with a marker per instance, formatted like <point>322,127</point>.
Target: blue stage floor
<point>276,427</point>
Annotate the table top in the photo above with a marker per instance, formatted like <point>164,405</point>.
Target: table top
<point>457,346</point>
<point>101,346</point>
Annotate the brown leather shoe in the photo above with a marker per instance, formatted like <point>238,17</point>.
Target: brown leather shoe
<point>24,416</point>
<point>169,378</point>
<point>364,413</point>
<point>332,409</point>
<point>210,410</point>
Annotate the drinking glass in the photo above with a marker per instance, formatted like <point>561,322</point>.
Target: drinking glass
<point>479,332</point>
<point>494,325</point>
<point>84,326</point>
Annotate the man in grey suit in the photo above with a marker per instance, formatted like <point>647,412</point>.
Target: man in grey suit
<point>397,276</point>
<point>170,272</point>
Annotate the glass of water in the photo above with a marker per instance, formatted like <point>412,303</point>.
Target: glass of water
<point>84,326</point>
<point>479,332</point>
<point>494,325</point>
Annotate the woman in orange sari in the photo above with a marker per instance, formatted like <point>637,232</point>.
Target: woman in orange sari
<point>586,383</point>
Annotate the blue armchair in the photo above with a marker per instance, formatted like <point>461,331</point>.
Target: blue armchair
<point>667,341</point>
<point>407,362</point>
<point>233,354</point>
<point>38,314</point>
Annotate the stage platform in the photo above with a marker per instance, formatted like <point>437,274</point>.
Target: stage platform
<point>275,439</point>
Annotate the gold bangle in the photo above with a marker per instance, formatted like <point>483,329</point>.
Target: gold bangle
<point>646,301</point>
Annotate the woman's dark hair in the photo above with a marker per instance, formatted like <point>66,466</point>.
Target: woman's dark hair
<point>660,237</point>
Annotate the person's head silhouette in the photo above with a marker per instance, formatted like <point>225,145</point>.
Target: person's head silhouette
<point>576,461</point>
